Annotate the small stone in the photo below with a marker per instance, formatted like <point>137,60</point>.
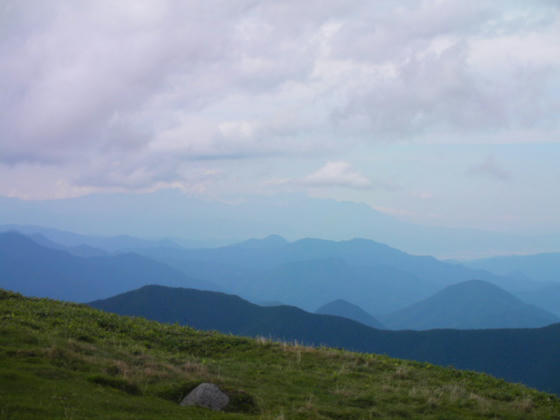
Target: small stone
<point>207,395</point>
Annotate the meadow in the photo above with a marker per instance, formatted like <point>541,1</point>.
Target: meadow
<point>62,360</point>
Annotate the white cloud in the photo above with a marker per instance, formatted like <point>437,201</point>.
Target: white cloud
<point>337,174</point>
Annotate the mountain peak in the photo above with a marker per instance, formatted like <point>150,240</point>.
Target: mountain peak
<point>270,241</point>
<point>475,284</point>
<point>345,309</point>
<point>470,304</point>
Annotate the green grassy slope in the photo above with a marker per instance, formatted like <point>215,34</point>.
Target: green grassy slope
<point>529,356</point>
<point>67,361</point>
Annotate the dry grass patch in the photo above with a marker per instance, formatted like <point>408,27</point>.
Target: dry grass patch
<point>524,405</point>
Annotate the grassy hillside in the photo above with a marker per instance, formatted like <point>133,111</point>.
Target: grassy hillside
<point>69,361</point>
<point>529,356</point>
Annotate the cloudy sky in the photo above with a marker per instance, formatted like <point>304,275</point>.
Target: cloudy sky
<point>438,112</point>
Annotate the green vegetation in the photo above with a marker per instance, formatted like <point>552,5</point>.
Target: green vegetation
<point>68,361</point>
<point>529,356</point>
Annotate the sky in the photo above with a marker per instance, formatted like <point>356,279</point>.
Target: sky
<point>442,113</point>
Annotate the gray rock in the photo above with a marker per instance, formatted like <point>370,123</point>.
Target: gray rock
<point>207,395</point>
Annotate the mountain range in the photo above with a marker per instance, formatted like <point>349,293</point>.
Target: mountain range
<point>311,272</point>
<point>62,239</point>
<point>36,270</point>
<point>201,222</point>
<point>80,250</point>
<point>307,273</point>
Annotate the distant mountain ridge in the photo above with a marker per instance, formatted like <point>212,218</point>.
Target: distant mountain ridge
<point>72,240</point>
<point>77,250</point>
<point>546,297</point>
<point>544,267</point>
<point>309,272</point>
<point>269,242</point>
<point>348,310</point>
<point>473,304</point>
<point>34,270</point>
<point>305,273</point>
<point>521,355</point>
<point>172,213</point>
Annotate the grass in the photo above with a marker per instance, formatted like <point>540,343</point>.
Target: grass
<point>67,361</point>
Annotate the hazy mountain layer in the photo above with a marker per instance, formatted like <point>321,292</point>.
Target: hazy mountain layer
<point>77,250</point>
<point>34,270</point>
<point>538,267</point>
<point>546,297</point>
<point>305,273</point>
<point>348,310</point>
<point>70,240</point>
<point>169,213</point>
<point>309,272</point>
<point>470,305</point>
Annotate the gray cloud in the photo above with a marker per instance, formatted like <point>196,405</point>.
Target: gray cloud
<point>132,94</point>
